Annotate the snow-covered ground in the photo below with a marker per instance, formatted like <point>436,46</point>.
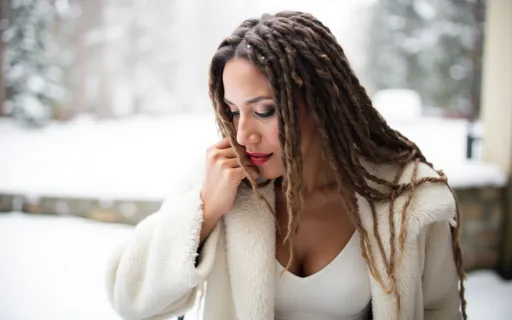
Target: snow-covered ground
<point>143,157</point>
<point>52,268</point>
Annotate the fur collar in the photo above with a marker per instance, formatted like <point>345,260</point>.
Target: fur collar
<point>250,235</point>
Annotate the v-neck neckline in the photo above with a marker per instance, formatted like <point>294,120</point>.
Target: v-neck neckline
<point>326,268</point>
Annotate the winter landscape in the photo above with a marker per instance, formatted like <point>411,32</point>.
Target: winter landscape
<point>107,99</point>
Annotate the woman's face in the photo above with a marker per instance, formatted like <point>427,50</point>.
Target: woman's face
<point>248,94</point>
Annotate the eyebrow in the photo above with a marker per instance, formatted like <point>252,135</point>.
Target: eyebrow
<point>250,101</point>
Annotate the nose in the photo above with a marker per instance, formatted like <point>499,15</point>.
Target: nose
<point>246,131</point>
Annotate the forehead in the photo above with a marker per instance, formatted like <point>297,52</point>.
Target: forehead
<point>241,80</point>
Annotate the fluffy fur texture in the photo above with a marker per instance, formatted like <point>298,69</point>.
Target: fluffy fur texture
<point>154,276</point>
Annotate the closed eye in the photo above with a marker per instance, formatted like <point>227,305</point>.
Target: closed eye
<point>267,114</point>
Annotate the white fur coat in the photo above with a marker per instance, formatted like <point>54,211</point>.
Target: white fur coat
<point>155,274</point>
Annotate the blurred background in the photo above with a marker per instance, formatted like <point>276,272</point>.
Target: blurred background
<point>103,102</point>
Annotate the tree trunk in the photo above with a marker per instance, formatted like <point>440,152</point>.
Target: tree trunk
<point>135,58</point>
<point>102,107</point>
<point>5,7</point>
<point>79,100</point>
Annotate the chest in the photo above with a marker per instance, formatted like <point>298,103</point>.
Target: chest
<point>341,290</point>
<point>323,233</point>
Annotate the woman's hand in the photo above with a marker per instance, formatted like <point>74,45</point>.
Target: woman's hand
<point>223,176</point>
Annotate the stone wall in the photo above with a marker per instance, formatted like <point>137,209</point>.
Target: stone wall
<point>483,213</point>
<point>118,211</point>
<point>482,209</point>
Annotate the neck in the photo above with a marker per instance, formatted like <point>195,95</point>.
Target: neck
<point>317,172</point>
<point>318,175</point>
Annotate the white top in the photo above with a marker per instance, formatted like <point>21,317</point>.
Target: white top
<point>340,291</point>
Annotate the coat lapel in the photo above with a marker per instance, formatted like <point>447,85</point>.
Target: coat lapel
<point>250,245</point>
<point>384,304</point>
<point>430,203</point>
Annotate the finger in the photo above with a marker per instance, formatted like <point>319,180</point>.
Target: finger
<point>226,153</point>
<point>235,163</point>
<point>245,161</point>
<point>236,174</point>
<point>215,155</point>
<point>223,144</point>
<point>230,163</point>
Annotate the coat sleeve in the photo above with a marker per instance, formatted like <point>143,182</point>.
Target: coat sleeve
<point>440,278</point>
<point>156,273</point>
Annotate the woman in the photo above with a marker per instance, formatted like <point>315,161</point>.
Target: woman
<point>349,220</point>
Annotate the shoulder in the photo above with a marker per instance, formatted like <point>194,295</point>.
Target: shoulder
<point>430,201</point>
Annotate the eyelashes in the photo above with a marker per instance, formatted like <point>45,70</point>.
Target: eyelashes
<point>271,112</point>
<point>267,114</point>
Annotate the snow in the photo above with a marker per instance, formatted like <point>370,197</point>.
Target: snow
<point>138,158</point>
<point>142,158</point>
<point>53,268</point>
<point>443,142</point>
<point>390,104</point>
<point>488,296</point>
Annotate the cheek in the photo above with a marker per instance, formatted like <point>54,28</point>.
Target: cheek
<point>273,134</point>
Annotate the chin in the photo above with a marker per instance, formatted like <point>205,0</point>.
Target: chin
<point>271,173</point>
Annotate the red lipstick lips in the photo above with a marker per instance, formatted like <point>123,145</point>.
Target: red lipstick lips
<point>258,159</point>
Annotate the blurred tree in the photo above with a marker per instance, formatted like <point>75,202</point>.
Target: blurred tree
<point>89,77</point>
<point>4,23</point>
<point>99,37</point>
<point>32,68</point>
<point>431,46</point>
<point>124,57</point>
<point>135,54</point>
<point>63,34</point>
<point>150,59</point>
<point>78,69</point>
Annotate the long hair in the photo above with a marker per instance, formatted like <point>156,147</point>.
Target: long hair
<point>302,60</point>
